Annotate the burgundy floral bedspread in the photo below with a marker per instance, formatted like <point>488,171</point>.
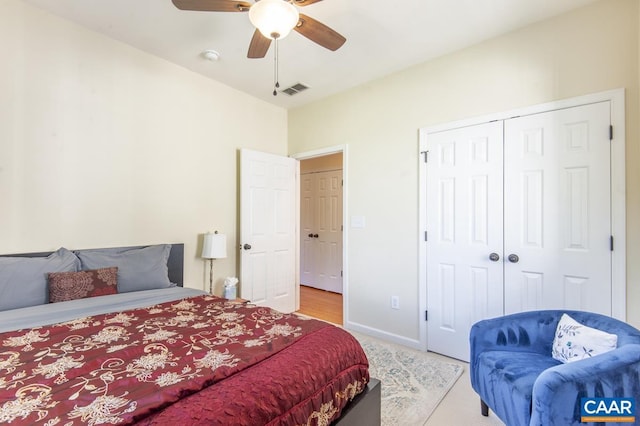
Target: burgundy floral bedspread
<point>200,360</point>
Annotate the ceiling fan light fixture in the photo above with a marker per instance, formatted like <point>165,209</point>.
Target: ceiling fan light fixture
<point>274,18</point>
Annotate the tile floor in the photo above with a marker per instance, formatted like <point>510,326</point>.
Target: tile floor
<point>461,406</point>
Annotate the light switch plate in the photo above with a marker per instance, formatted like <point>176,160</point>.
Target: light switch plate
<point>357,222</point>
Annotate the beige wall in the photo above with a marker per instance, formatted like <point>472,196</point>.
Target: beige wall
<point>104,145</point>
<point>586,51</point>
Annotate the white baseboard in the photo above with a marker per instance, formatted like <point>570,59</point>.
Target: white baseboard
<point>383,335</point>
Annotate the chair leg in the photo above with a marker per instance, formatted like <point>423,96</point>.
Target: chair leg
<point>484,408</point>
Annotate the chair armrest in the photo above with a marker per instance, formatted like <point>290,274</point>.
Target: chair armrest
<point>558,390</point>
<point>522,332</point>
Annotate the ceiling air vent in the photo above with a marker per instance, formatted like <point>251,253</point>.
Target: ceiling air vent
<point>295,89</point>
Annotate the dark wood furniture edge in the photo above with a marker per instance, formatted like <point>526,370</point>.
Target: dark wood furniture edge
<point>175,263</point>
<point>364,410</point>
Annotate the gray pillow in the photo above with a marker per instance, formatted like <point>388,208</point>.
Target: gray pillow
<point>23,280</point>
<point>138,269</point>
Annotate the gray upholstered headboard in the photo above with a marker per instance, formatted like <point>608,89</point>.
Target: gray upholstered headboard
<point>175,262</point>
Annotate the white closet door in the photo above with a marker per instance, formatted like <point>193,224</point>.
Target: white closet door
<point>554,241</point>
<point>329,230</point>
<point>464,223</point>
<point>307,224</point>
<point>321,235</point>
<point>557,210</point>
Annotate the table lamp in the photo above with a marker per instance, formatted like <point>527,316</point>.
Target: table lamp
<point>214,246</point>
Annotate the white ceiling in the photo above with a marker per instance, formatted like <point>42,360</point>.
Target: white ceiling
<point>383,36</point>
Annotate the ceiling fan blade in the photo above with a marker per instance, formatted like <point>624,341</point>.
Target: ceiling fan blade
<point>212,5</point>
<point>258,46</point>
<point>319,33</point>
<point>304,2</point>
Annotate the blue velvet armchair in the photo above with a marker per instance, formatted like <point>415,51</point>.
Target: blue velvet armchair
<point>512,369</point>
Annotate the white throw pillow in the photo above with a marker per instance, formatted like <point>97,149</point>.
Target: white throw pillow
<point>574,341</point>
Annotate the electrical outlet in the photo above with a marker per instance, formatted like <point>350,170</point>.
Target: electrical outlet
<point>395,302</point>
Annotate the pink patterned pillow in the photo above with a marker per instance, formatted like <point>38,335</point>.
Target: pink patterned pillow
<point>65,286</point>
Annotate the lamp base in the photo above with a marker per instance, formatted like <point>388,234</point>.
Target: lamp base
<point>211,277</point>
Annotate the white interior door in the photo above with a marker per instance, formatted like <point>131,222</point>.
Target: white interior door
<point>321,236</point>
<point>268,229</point>
<point>558,210</point>
<point>464,223</point>
<point>307,226</point>
<point>328,222</point>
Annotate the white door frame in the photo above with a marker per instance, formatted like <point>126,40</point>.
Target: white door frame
<point>345,233</point>
<point>618,200</point>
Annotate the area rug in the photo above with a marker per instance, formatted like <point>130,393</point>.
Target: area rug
<point>413,382</point>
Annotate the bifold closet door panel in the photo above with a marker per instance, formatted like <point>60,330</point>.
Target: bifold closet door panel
<point>328,222</point>
<point>557,210</point>
<point>464,223</point>
<point>321,230</point>
<point>307,224</point>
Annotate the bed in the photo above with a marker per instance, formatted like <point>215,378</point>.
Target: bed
<point>111,336</point>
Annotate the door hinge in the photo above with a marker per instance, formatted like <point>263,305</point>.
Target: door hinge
<point>426,155</point>
<point>340,274</point>
<point>610,132</point>
<point>426,315</point>
<point>342,227</point>
<point>611,243</point>
<point>425,236</point>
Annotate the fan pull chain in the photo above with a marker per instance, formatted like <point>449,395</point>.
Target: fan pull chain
<point>276,83</point>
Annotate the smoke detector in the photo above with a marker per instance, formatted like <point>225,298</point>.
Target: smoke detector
<point>211,55</point>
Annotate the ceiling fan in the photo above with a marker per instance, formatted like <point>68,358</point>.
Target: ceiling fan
<point>273,19</point>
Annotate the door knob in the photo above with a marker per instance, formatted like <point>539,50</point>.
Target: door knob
<point>247,246</point>
<point>315,235</point>
<point>513,258</point>
<point>310,235</point>
<point>494,257</point>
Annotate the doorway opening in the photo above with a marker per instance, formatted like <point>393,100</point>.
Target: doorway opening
<point>322,271</point>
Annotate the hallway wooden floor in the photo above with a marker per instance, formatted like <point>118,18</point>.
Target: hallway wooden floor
<point>321,304</point>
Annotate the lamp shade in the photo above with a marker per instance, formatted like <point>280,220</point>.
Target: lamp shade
<point>274,18</point>
<point>214,246</point>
